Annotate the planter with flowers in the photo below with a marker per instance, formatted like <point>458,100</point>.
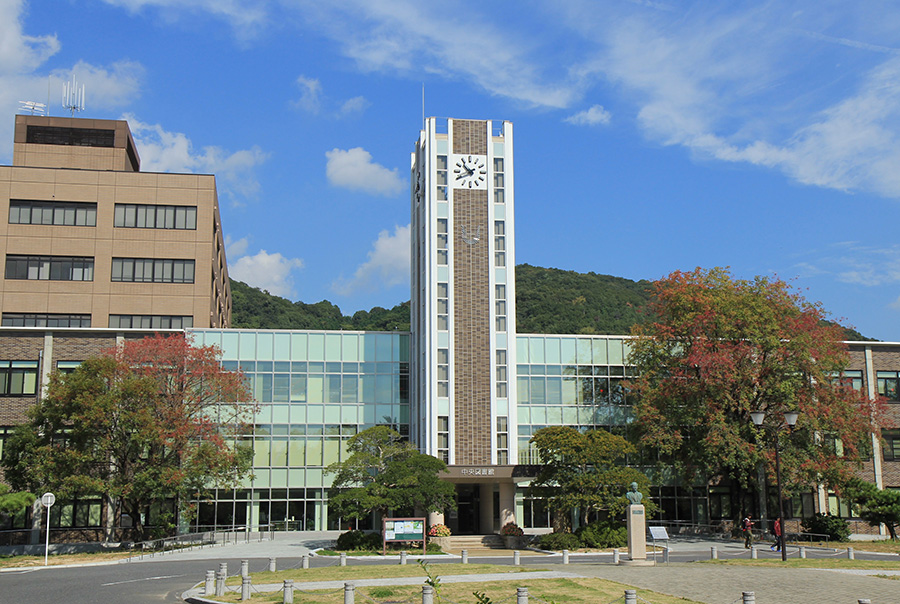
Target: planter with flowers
<point>439,534</point>
<point>513,536</point>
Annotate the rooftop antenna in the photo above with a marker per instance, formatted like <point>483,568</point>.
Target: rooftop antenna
<point>33,107</point>
<point>73,96</point>
<point>423,105</point>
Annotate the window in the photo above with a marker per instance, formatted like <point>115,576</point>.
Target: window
<point>502,441</point>
<point>151,321</point>
<point>442,241</point>
<point>443,438</point>
<point>891,444</point>
<point>499,183</point>
<point>152,270</point>
<point>76,137</point>
<point>502,374</point>
<point>851,378</point>
<point>17,319</point>
<point>500,307</point>
<point>50,268</point>
<point>499,243</point>
<point>52,213</point>
<point>67,367</point>
<point>888,382</point>
<point>442,177</point>
<point>140,216</point>
<point>443,368</point>
<point>18,378</point>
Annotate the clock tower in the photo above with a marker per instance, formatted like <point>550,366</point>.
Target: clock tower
<point>463,311</point>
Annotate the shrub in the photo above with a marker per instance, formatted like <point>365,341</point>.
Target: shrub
<point>511,529</point>
<point>439,530</point>
<point>358,540</point>
<point>603,534</point>
<point>558,541</point>
<point>836,528</point>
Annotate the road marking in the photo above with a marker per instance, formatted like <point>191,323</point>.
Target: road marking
<point>144,579</point>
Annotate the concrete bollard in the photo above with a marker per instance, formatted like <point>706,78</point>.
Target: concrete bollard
<point>349,593</point>
<point>465,556</point>
<point>615,555</point>
<point>803,552</point>
<point>403,555</point>
<point>516,558</point>
<point>850,554</point>
<point>220,583</point>
<point>565,556</point>
<point>865,601</point>
<point>288,591</point>
<point>427,594</point>
<point>748,597</point>
<point>223,568</point>
<point>630,596</point>
<point>521,595</point>
<point>665,555</point>
<point>210,587</point>
<point>245,568</point>
<point>343,559</point>
<point>754,552</point>
<point>245,588</point>
<point>271,565</point>
<point>713,553</point>
<point>304,562</point>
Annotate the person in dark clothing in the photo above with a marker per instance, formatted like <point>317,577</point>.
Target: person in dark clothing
<point>778,529</point>
<point>747,530</point>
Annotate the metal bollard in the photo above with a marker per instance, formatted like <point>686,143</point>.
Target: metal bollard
<point>304,562</point>
<point>403,555</point>
<point>803,552</point>
<point>565,556</point>
<point>245,588</point>
<point>427,594</point>
<point>349,590</point>
<point>210,587</point>
<point>748,597</point>
<point>850,554</point>
<point>615,555</point>
<point>220,583</point>
<point>521,595</point>
<point>343,559</point>
<point>630,596</point>
<point>271,565</point>
<point>516,558</point>
<point>754,552</point>
<point>465,556</point>
<point>288,591</point>
<point>713,553</point>
<point>245,568</point>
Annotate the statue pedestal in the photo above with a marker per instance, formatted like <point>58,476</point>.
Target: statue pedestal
<point>637,537</point>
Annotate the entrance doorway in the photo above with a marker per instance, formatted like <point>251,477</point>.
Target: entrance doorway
<point>465,521</point>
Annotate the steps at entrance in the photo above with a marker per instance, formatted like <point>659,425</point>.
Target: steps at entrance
<point>460,542</point>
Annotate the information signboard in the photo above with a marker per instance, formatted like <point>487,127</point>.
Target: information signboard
<point>402,529</point>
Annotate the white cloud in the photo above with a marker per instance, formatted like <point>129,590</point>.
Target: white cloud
<point>595,116</point>
<point>387,264</point>
<point>354,169</point>
<point>165,151</point>
<point>21,53</point>
<point>310,94</point>
<point>246,16</point>
<point>269,272</point>
<point>235,248</point>
<point>857,263</point>
<point>353,106</point>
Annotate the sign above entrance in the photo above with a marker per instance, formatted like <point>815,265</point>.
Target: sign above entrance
<point>477,471</point>
<point>487,473</point>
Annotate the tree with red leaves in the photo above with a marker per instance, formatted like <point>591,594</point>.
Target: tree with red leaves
<point>720,348</point>
<point>151,420</point>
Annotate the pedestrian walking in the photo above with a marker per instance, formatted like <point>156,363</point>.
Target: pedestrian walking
<point>778,529</point>
<point>747,530</point>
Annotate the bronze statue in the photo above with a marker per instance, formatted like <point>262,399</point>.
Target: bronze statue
<point>634,496</point>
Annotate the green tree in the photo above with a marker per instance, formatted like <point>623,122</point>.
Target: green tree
<point>14,502</point>
<point>150,420</point>
<point>386,473</point>
<point>722,347</point>
<point>876,505</point>
<point>585,471</point>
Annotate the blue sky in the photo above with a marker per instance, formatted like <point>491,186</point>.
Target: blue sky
<point>650,136</point>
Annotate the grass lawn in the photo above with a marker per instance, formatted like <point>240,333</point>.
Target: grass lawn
<point>54,559</point>
<point>556,591</point>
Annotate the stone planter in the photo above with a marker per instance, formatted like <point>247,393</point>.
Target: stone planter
<point>516,542</point>
<point>444,542</point>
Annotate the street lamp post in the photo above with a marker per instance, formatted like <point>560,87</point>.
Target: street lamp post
<point>790,420</point>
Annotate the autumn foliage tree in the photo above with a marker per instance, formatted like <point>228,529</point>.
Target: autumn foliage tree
<point>721,347</point>
<point>150,420</point>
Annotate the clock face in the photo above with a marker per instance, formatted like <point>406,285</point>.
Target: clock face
<point>470,172</point>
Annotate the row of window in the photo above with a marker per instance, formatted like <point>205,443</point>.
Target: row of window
<point>126,215</point>
<point>17,319</point>
<point>78,268</point>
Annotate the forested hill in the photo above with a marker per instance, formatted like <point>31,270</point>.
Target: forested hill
<point>548,300</point>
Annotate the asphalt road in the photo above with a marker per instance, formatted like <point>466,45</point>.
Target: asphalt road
<point>164,579</point>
